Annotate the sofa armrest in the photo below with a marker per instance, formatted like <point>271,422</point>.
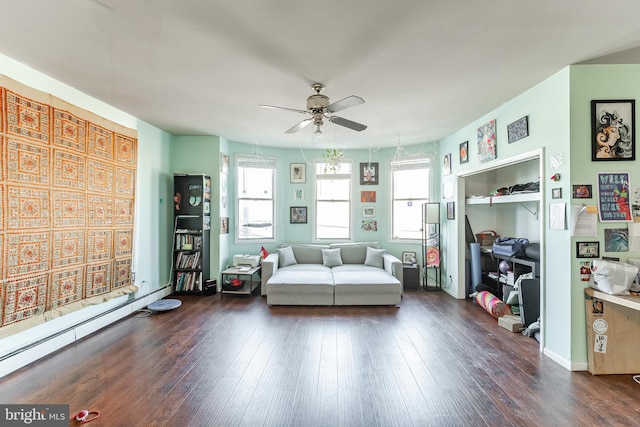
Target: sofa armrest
<point>393,266</point>
<point>269,266</point>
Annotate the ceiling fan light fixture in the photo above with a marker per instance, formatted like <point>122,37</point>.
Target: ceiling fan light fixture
<point>317,132</point>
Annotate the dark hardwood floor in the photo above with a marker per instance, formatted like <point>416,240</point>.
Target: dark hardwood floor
<point>433,361</point>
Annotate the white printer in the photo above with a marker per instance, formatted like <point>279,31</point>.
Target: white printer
<point>251,260</point>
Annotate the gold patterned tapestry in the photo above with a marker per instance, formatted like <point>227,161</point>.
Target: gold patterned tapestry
<point>67,181</point>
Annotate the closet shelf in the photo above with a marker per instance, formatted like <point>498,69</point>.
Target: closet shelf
<point>512,198</point>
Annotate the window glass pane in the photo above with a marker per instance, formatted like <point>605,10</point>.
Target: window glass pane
<point>255,183</point>
<point>407,219</point>
<point>332,220</point>
<point>333,201</point>
<point>256,206</point>
<point>333,189</point>
<point>255,219</point>
<point>411,184</point>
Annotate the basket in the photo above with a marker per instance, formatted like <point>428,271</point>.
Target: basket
<point>486,237</point>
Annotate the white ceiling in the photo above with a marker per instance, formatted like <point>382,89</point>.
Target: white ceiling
<point>425,68</point>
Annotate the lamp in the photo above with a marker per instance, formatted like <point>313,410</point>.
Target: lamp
<point>432,213</point>
<point>317,132</point>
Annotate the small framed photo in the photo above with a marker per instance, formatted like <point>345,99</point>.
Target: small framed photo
<point>464,152</point>
<point>368,211</point>
<point>409,258</point>
<point>224,225</point>
<point>367,196</point>
<point>368,173</point>
<point>298,214</point>
<point>587,249</point>
<point>224,163</point>
<point>613,130</point>
<point>446,164</point>
<point>451,210</point>
<point>298,173</point>
<point>582,191</point>
<point>518,129</point>
<point>556,193</point>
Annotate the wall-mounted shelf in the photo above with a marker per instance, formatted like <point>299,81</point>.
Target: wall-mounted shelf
<point>512,198</point>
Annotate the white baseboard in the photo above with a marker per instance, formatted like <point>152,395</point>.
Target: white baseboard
<point>60,339</point>
<point>567,364</point>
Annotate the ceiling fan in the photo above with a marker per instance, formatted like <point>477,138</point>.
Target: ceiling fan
<point>320,108</point>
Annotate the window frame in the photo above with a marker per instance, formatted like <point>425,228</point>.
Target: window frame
<point>409,164</point>
<point>269,163</point>
<point>318,165</point>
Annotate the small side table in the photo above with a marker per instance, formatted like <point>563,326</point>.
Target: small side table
<point>251,278</point>
<point>411,276</point>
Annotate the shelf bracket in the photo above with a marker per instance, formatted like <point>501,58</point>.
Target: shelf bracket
<point>534,213</point>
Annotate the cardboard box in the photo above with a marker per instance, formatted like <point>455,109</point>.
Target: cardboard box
<point>511,322</point>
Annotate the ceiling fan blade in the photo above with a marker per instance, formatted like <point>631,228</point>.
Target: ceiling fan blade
<point>349,101</point>
<point>284,108</point>
<point>347,123</point>
<point>300,125</point>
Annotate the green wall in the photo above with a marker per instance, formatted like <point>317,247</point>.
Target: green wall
<point>596,82</point>
<point>547,108</point>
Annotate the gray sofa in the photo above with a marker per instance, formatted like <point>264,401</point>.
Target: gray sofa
<point>336,274</point>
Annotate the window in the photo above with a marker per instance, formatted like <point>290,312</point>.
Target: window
<point>256,205</point>
<point>333,201</point>
<point>410,187</point>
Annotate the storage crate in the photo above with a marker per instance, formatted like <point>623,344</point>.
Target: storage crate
<point>486,238</point>
<point>511,322</point>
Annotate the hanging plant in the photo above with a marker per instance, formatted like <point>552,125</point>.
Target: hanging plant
<point>333,157</point>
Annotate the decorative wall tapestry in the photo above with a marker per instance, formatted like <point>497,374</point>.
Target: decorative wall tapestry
<point>67,181</point>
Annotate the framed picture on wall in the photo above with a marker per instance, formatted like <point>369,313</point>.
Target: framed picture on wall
<point>613,130</point>
<point>446,164</point>
<point>464,152</point>
<point>369,173</point>
<point>587,249</point>
<point>368,211</point>
<point>451,210</point>
<point>298,173</point>
<point>298,214</point>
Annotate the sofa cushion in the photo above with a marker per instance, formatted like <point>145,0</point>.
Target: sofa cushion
<point>354,253</point>
<point>374,257</point>
<point>308,254</point>
<point>286,256</point>
<point>331,257</point>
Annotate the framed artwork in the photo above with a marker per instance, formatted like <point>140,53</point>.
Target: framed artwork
<point>613,130</point>
<point>447,190</point>
<point>616,240</point>
<point>582,191</point>
<point>298,194</point>
<point>409,258</point>
<point>298,214</point>
<point>368,211</point>
<point>613,196</point>
<point>556,193</point>
<point>369,173</point>
<point>446,164</point>
<point>451,210</point>
<point>224,225</point>
<point>587,249</point>
<point>369,225</point>
<point>367,196</point>
<point>224,163</point>
<point>464,152</point>
<point>487,142</point>
<point>298,173</point>
<point>518,129</point>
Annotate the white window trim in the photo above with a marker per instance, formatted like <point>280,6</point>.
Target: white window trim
<point>316,239</point>
<point>257,160</point>
<point>406,164</point>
